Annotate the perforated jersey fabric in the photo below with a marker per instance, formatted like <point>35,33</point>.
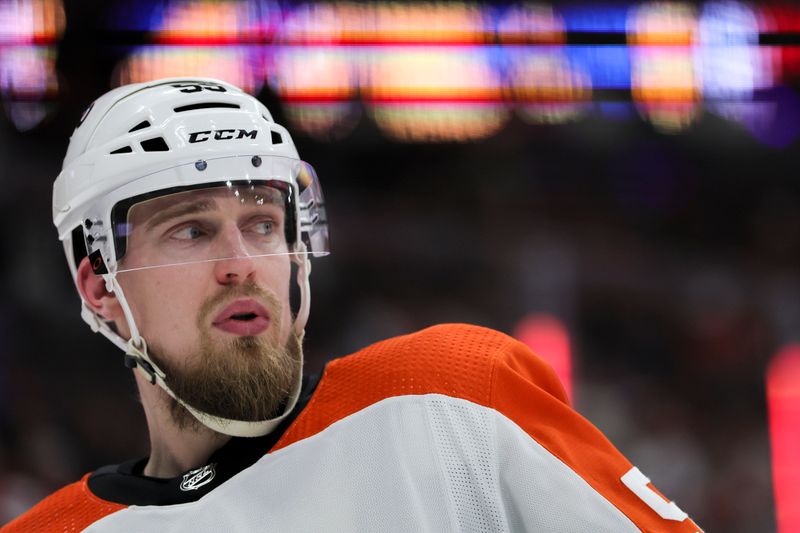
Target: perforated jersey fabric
<point>409,463</point>
<point>453,428</point>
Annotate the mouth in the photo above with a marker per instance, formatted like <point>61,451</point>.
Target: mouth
<point>244,317</point>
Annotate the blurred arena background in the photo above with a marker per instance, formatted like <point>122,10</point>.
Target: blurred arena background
<point>616,184</point>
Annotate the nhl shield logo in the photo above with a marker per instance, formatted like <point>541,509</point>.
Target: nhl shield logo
<point>194,479</point>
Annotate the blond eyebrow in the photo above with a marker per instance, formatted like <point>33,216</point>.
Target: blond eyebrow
<point>179,210</point>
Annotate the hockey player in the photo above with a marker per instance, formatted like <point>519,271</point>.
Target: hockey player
<point>186,214</point>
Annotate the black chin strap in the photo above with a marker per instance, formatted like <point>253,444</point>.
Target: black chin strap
<point>132,361</point>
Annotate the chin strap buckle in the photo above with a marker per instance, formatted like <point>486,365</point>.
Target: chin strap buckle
<point>133,361</point>
<point>135,358</point>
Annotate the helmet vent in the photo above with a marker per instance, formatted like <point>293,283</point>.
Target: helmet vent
<point>276,137</point>
<point>123,150</point>
<point>206,105</point>
<point>140,126</point>
<point>156,144</point>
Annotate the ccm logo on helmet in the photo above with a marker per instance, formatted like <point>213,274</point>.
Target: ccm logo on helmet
<point>221,135</point>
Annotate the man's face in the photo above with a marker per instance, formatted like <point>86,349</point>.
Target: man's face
<point>207,278</point>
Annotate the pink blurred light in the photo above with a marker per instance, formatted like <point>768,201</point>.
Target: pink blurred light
<point>548,337</point>
<point>26,22</point>
<point>783,403</point>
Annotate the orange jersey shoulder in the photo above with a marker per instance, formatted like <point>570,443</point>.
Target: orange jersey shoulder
<point>70,509</point>
<point>490,369</point>
<point>456,360</point>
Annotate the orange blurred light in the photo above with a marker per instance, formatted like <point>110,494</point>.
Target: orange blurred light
<point>426,122</point>
<point>430,23</point>
<point>315,74</point>
<point>662,24</point>
<point>438,74</point>
<point>317,86</point>
<point>664,82</point>
<point>549,339</point>
<point>546,88</point>
<point>232,64</point>
<point>442,93</point>
<point>783,403</point>
<point>392,23</point>
<point>207,22</point>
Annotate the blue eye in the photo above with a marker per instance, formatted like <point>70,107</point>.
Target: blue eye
<point>188,233</point>
<point>264,228</point>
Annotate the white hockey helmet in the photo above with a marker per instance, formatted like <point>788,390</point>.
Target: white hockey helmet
<point>169,137</point>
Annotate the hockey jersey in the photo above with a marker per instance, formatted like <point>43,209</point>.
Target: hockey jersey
<point>453,428</point>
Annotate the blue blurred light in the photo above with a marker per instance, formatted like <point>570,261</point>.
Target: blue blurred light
<point>609,67</point>
<point>595,18</point>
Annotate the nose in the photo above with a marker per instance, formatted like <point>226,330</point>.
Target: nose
<point>234,264</point>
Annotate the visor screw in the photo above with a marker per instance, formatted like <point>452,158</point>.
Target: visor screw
<point>200,165</point>
<point>256,161</point>
<point>88,223</point>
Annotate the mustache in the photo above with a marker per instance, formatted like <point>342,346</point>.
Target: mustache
<point>247,289</point>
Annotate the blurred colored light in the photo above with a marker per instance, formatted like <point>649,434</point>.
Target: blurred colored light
<point>316,74</point>
<point>541,81</point>
<point>595,18</point>
<point>31,21</point>
<point>208,22</point>
<point>531,24</point>
<point>441,93</point>
<point>28,31</point>
<point>731,63</point>
<point>663,80</point>
<point>441,122</point>
<point>438,74</point>
<point>321,24</point>
<point>662,23</point>
<point>458,68</point>
<point>387,23</point>
<point>28,73</point>
<point>546,89</point>
<point>782,19</point>
<point>317,86</point>
<point>549,339</point>
<point>431,23</point>
<point>241,66</point>
<point>783,403</point>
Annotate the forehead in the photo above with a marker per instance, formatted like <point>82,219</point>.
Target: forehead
<point>228,198</point>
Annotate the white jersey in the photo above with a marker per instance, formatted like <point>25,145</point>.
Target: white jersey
<point>455,428</point>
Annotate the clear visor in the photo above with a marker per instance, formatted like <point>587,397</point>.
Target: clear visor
<point>221,221</point>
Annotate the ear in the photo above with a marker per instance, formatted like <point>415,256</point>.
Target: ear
<point>93,289</point>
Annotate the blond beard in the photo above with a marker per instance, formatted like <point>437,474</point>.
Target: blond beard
<point>241,378</point>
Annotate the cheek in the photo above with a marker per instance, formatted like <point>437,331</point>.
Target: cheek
<point>278,279</point>
<point>161,301</point>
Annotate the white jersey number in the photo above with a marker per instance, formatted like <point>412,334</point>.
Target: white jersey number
<point>637,483</point>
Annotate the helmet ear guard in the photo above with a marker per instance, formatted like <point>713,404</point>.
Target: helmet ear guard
<point>110,161</point>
